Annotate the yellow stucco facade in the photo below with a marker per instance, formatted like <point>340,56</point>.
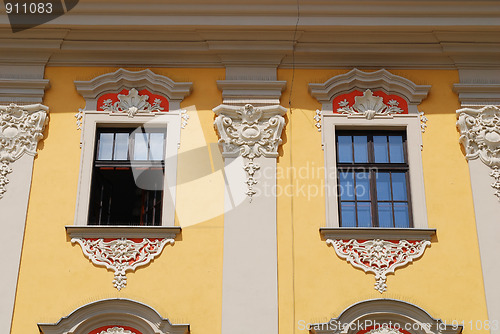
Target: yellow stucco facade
<point>184,283</point>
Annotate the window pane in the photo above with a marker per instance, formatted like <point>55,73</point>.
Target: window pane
<point>380,149</point>
<point>364,214</point>
<point>156,146</point>
<point>121,146</point>
<point>385,215</point>
<point>396,149</point>
<point>401,215</point>
<point>348,214</point>
<point>399,186</point>
<point>360,148</point>
<point>346,189</point>
<point>363,186</point>
<point>383,186</point>
<point>345,149</point>
<point>141,146</point>
<point>105,146</point>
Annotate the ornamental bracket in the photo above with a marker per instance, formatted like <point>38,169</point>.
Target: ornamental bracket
<point>251,132</point>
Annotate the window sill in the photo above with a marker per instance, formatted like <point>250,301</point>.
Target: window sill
<point>345,233</point>
<point>167,232</point>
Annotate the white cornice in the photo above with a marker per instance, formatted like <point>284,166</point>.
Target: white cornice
<point>477,94</point>
<point>22,91</point>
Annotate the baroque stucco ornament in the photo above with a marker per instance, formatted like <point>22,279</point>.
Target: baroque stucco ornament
<point>380,257</point>
<point>121,255</point>
<point>117,330</point>
<point>480,137</point>
<point>132,104</point>
<point>384,330</point>
<point>252,132</point>
<point>21,127</point>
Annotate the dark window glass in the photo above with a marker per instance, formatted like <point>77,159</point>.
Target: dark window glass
<point>372,171</point>
<point>125,190</point>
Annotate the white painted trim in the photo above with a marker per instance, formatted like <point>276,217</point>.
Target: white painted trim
<point>385,311</point>
<point>131,232</point>
<point>378,80</point>
<point>23,91</point>
<point>105,312</point>
<point>124,79</point>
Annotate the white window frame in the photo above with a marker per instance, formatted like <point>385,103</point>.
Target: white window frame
<point>410,123</point>
<point>93,120</point>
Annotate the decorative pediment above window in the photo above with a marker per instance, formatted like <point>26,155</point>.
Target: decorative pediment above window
<point>370,95</point>
<point>116,82</point>
<point>382,80</point>
<point>384,316</point>
<point>113,316</point>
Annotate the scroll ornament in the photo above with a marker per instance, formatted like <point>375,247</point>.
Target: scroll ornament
<point>369,106</point>
<point>117,330</point>
<point>121,255</point>
<point>380,257</point>
<point>132,104</point>
<point>21,127</point>
<point>252,132</point>
<point>480,137</point>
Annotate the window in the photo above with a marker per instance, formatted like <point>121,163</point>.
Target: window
<point>373,182</point>
<point>127,177</point>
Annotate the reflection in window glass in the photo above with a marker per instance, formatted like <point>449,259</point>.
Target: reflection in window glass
<point>380,149</point>
<point>348,214</point>
<point>141,146</point>
<point>396,149</point>
<point>384,186</point>
<point>399,186</point>
<point>362,186</point>
<point>121,146</point>
<point>346,190</point>
<point>385,214</point>
<point>401,216</point>
<point>345,149</point>
<point>360,149</point>
<point>105,146</point>
<point>156,146</point>
<point>364,214</point>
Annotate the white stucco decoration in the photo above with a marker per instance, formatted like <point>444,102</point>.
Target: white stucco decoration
<point>132,103</point>
<point>317,119</point>
<point>480,137</point>
<point>21,127</point>
<point>369,106</point>
<point>252,132</point>
<point>117,312</point>
<point>117,330</point>
<point>380,257</point>
<point>121,255</point>
<point>384,330</point>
